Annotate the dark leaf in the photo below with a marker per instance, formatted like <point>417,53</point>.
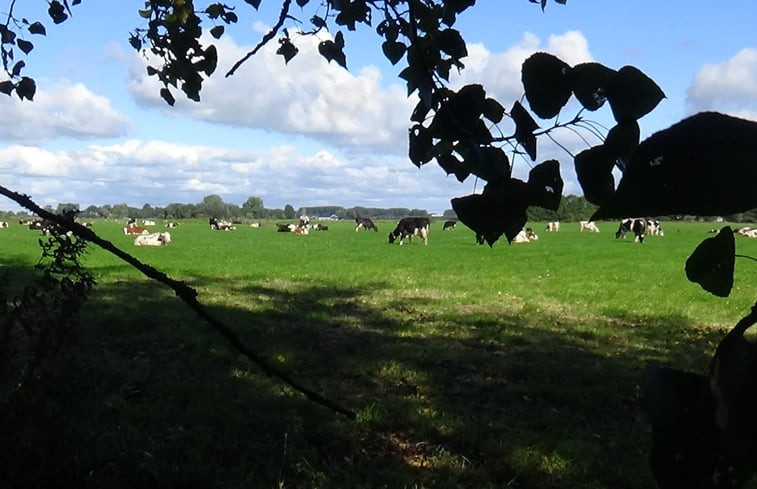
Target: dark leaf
<point>255,3</point>
<point>56,11</point>
<point>211,60</point>
<point>318,22</point>
<point>704,165</point>
<point>450,164</point>
<point>393,50</point>
<point>7,36</point>
<point>468,104</point>
<point>420,112</point>
<point>493,110</point>
<point>491,214</point>
<point>421,148</point>
<point>632,94</point>
<point>545,185</point>
<point>711,264</point>
<point>230,17</point>
<point>452,43</point>
<point>167,96</point>
<point>332,52</point>
<point>622,140</point>
<point>135,42</point>
<point>37,28</point>
<point>524,129</point>
<point>546,80</point>
<point>216,32</point>
<point>594,171</point>
<point>590,81</point>
<point>76,2</point>
<point>287,49</point>
<point>17,68</point>
<point>489,163</point>
<point>302,3</point>
<point>26,88</point>
<point>7,87</point>
<point>152,71</point>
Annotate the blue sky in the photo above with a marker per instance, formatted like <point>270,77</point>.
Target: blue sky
<point>314,134</point>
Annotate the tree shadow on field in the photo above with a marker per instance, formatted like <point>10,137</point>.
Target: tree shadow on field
<point>153,397</point>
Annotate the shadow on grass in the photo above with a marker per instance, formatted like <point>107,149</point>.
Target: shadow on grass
<point>150,396</point>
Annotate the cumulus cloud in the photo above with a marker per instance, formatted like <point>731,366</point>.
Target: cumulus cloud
<point>308,96</point>
<point>63,111</point>
<point>158,173</point>
<point>730,86</point>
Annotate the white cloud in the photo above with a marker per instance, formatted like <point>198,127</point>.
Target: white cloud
<point>730,86</point>
<point>308,97</point>
<point>65,110</point>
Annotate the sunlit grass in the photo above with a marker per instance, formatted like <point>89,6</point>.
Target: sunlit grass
<point>515,366</point>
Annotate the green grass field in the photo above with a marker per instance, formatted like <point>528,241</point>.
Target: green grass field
<point>516,366</point>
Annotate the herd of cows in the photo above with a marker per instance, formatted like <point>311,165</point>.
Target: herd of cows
<point>406,229</point>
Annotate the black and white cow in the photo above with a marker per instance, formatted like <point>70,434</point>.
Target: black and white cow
<point>408,227</point>
<point>3,224</point>
<point>449,225</point>
<point>654,228</point>
<point>637,226</point>
<point>365,223</point>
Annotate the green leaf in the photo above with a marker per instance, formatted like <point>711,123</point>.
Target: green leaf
<point>524,129</point>
<point>547,82</point>
<point>712,262</point>
<point>24,46</point>
<point>705,165</point>
<point>37,28</point>
<point>394,51</point>
<point>217,31</point>
<point>632,94</point>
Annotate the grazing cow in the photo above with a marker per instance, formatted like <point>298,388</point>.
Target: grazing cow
<point>3,224</point>
<point>587,226</point>
<point>135,230</point>
<point>637,226</point>
<point>553,226</point>
<point>172,225</point>
<point>654,228</point>
<point>154,239</point>
<point>365,223</point>
<point>46,226</point>
<point>449,225</point>
<point>408,227</point>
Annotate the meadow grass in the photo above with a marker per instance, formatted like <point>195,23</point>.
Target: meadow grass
<point>468,366</point>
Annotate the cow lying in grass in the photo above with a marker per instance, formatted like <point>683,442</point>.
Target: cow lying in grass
<point>154,239</point>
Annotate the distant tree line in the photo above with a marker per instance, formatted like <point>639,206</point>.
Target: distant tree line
<point>572,208</point>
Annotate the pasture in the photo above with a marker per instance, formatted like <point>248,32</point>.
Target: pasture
<point>516,366</point>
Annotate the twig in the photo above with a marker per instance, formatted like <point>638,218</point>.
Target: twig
<point>266,38</point>
<point>185,293</point>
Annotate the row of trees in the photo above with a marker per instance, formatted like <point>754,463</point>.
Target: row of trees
<point>572,208</point>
